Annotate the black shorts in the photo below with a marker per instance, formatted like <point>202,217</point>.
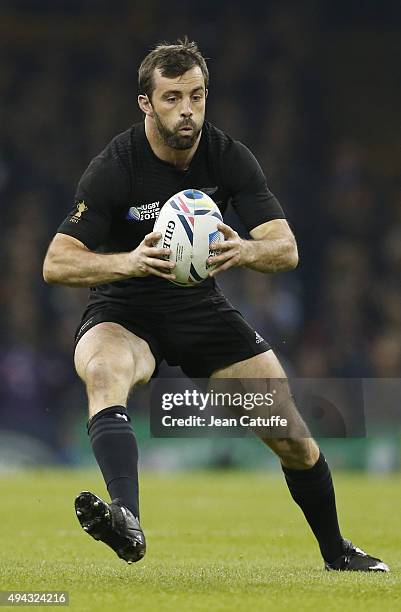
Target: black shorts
<point>199,335</point>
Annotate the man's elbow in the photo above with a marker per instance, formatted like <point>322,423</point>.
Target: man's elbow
<point>49,272</point>
<point>293,257</point>
<point>289,257</point>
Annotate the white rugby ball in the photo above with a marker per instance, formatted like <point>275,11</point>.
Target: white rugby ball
<point>188,224</point>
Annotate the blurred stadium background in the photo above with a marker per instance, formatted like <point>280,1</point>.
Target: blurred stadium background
<point>313,89</point>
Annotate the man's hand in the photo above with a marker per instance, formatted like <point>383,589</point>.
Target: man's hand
<point>147,259</point>
<point>272,248</point>
<point>69,262</point>
<point>233,251</point>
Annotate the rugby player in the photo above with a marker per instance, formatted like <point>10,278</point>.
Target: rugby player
<point>124,335</point>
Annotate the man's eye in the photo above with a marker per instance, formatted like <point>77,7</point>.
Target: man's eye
<point>197,98</point>
<point>171,99</point>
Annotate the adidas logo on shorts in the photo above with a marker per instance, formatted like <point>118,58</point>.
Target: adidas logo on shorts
<point>258,338</point>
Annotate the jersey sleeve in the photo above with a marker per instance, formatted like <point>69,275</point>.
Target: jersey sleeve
<point>251,198</point>
<point>100,190</point>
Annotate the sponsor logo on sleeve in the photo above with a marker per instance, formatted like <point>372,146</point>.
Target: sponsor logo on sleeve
<point>81,208</point>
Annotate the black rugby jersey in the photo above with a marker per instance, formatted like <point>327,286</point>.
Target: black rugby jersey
<point>123,189</point>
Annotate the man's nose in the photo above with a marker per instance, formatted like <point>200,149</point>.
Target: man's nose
<point>186,108</point>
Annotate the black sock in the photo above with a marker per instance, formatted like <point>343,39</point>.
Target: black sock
<point>114,446</point>
<point>312,489</point>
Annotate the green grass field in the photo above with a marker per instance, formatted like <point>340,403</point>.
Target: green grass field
<point>216,541</point>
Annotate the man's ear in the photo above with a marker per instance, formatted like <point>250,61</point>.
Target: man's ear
<point>206,93</point>
<point>145,105</point>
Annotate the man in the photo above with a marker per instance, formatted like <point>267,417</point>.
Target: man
<point>123,334</point>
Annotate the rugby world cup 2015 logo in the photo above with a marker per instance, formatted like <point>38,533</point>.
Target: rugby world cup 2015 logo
<point>214,238</point>
<point>144,212</point>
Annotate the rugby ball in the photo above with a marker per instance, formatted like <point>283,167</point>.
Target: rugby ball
<point>188,225</point>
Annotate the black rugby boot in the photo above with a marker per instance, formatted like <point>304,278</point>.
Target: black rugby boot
<point>356,560</point>
<point>112,524</point>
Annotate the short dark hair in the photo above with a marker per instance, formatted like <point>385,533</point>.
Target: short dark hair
<point>172,60</point>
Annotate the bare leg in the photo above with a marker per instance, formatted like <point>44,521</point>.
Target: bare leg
<point>111,361</point>
<point>295,452</point>
<point>306,471</point>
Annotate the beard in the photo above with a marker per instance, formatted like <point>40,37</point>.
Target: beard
<point>175,139</point>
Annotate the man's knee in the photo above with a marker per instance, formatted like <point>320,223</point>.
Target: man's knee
<point>109,383</point>
<point>144,364</point>
<point>101,373</point>
<point>296,454</point>
<point>125,371</point>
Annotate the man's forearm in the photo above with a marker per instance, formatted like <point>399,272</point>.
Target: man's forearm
<point>77,267</point>
<point>275,255</point>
